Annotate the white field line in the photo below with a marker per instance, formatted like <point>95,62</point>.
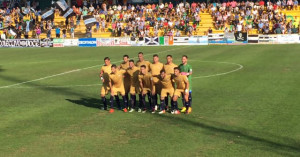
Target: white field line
<point>224,73</point>
<point>76,70</point>
<point>90,85</point>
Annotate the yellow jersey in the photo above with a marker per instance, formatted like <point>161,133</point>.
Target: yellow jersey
<point>169,68</point>
<point>134,75</point>
<point>106,71</point>
<point>180,81</point>
<point>155,70</point>
<point>144,62</point>
<point>116,78</point>
<point>166,82</point>
<point>146,80</point>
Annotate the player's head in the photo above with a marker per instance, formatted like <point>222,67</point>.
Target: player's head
<point>131,63</point>
<point>143,69</point>
<point>176,71</point>
<point>125,58</point>
<point>141,56</point>
<point>163,73</point>
<point>184,59</point>
<point>113,68</point>
<point>155,58</point>
<point>169,59</point>
<point>107,61</point>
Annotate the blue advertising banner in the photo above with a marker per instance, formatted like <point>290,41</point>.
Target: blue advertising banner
<point>87,42</point>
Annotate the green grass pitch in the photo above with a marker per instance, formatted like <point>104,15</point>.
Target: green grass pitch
<point>245,103</point>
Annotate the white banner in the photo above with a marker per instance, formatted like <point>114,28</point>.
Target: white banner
<point>181,41</point>
<point>70,42</point>
<point>288,38</point>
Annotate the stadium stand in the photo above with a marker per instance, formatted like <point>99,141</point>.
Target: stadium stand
<point>155,20</point>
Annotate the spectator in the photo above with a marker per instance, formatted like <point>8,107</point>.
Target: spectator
<point>57,32</point>
<point>72,32</point>
<point>64,33</point>
<point>38,32</point>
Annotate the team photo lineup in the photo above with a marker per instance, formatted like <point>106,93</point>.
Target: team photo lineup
<point>143,79</point>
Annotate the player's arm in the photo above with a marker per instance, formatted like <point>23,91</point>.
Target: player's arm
<point>152,86</point>
<point>187,84</point>
<point>101,75</point>
<point>148,65</point>
<point>190,71</point>
<point>141,83</point>
<point>110,85</point>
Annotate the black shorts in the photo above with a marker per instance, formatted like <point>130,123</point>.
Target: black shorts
<point>57,35</point>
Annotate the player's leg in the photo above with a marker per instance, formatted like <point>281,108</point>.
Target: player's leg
<point>118,101</point>
<point>133,91</point>
<point>111,103</point>
<point>163,94</point>
<point>158,89</point>
<point>127,91</point>
<point>143,106</point>
<point>167,102</point>
<point>190,102</point>
<point>140,100</point>
<point>103,93</point>
<point>187,105</point>
<point>125,103</point>
<point>183,109</point>
<point>132,102</point>
<point>175,111</point>
<point>154,97</point>
<point>171,94</point>
<point>149,95</point>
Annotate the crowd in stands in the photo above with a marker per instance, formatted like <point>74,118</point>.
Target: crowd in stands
<point>150,19</point>
<point>247,15</point>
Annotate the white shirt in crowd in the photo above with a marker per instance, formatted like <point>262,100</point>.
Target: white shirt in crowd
<point>239,27</point>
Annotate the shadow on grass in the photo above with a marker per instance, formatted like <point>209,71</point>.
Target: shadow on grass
<point>283,146</point>
<point>1,70</point>
<point>88,102</point>
<point>94,103</point>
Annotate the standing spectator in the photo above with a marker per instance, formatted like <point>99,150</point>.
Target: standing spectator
<point>49,28</point>
<point>38,32</point>
<point>72,32</point>
<point>64,33</point>
<point>67,23</point>
<point>57,32</point>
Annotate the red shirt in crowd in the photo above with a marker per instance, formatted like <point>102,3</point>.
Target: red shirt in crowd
<point>79,3</point>
<point>153,6</point>
<point>228,4</point>
<point>170,6</point>
<point>194,5</point>
<point>261,3</point>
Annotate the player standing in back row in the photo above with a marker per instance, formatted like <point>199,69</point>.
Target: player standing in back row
<point>104,75</point>
<point>124,66</point>
<point>155,69</point>
<point>169,70</point>
<point>186,69</point>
